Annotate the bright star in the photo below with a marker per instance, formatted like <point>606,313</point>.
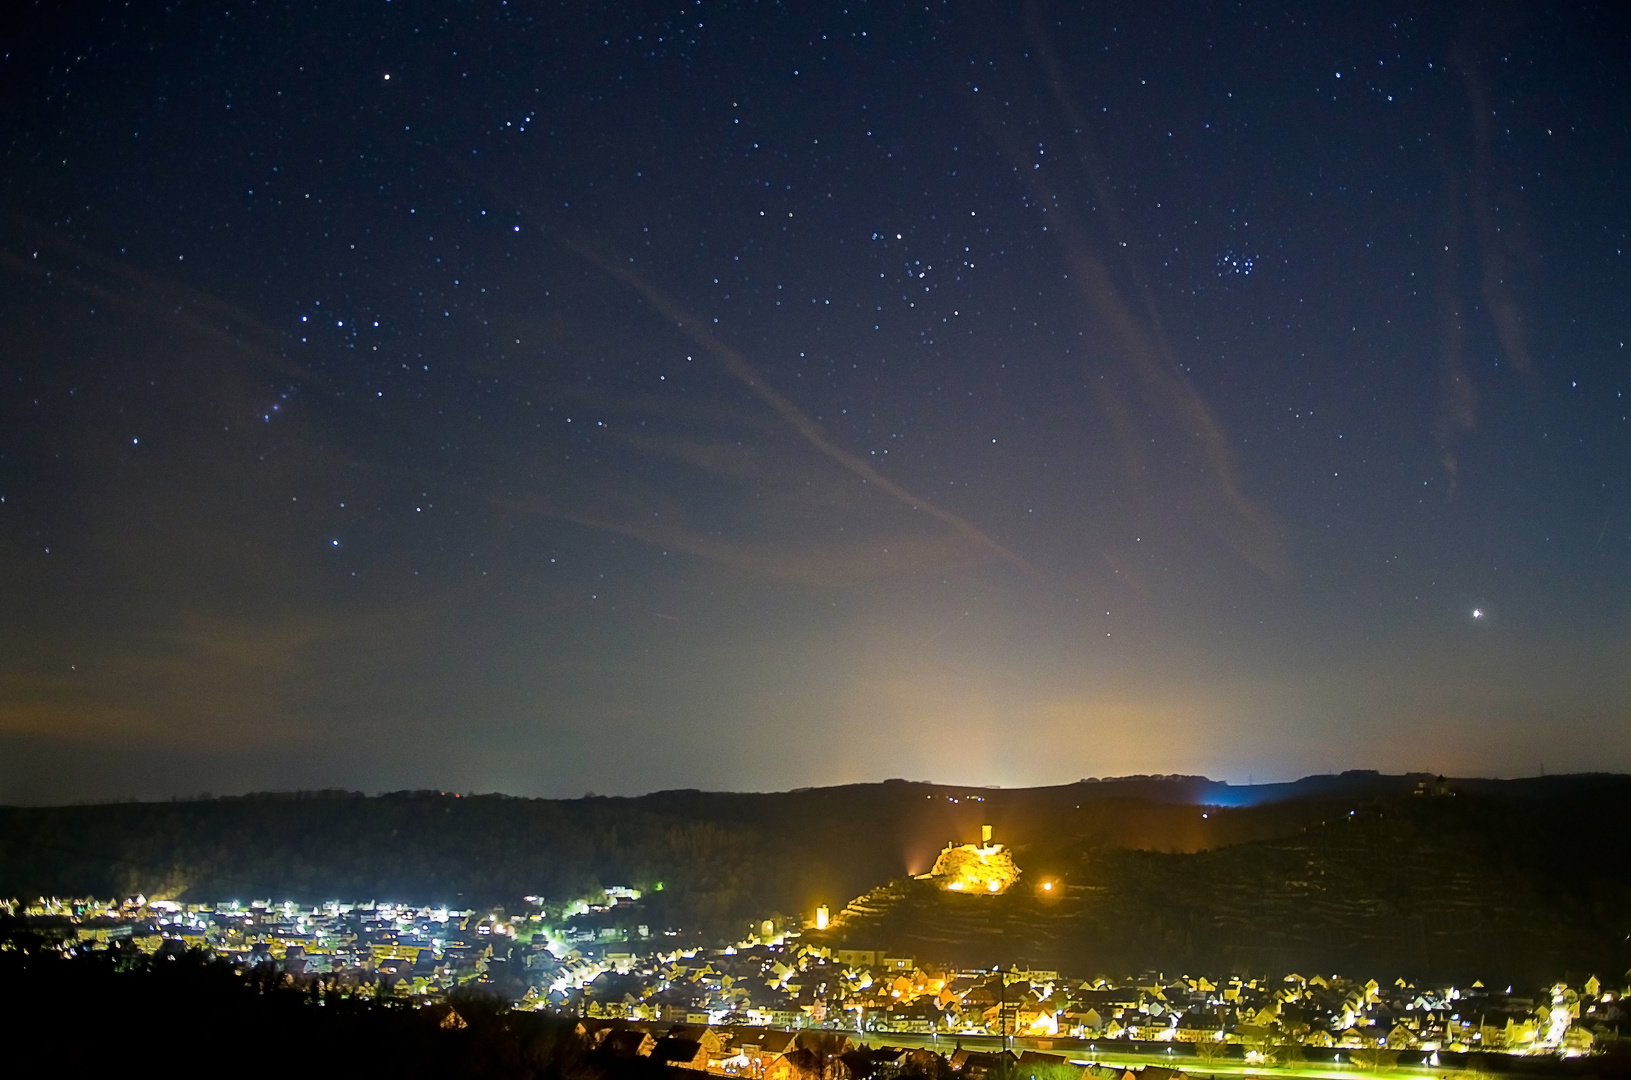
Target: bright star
<point>1478,613</point>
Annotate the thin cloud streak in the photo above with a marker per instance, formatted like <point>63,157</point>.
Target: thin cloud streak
<point>832,565</point>
<point>156,298</point>
<point>1504,310</point>
<point>795,417</point>
<point>1247,527</point>
<point>1458,396</point>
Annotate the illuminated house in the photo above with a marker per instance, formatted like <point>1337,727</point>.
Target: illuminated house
<point>985,868</point>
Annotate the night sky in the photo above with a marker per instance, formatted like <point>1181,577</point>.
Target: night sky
<point>564,398</point>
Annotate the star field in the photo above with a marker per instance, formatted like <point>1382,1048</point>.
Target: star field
<point>524,397</point>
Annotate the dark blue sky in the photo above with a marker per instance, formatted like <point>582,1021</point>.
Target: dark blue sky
<point>558,398</point>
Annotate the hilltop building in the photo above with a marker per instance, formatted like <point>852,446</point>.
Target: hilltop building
<point>986,868</point>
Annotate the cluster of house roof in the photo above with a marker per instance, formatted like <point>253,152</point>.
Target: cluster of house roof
<point>813,1054</point>
<point>779,980</point>
<point>425,950</point>
<point>792,984</point>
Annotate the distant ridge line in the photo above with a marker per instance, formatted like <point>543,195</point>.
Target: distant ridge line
<point>1193,789</point>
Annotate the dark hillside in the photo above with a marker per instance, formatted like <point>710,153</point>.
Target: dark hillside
<point>724,854</point>
<point>1535,870</point>
<point>1473,886</point>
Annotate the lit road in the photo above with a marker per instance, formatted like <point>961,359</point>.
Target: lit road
<point>1306,1070</point>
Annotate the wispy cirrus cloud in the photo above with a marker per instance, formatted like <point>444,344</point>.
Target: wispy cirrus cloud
<point>784,407</point>
<point>209,682</point>
<point>1148,395</point>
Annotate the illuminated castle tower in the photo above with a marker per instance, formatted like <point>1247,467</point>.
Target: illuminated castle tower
<point>985,868</point>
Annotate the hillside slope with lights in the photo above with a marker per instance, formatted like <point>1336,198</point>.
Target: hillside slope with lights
<point>1416,875</point>
<point>1437,887</point>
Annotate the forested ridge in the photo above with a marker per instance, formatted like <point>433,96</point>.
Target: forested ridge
<point>719,854</point>
<point>1327,869</point>
<point>1462,887</point>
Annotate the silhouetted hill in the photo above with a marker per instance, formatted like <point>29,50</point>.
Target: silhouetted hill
<point>1176,871</point>
<point>1520,884</point>
<point>745,851</point>
<point>128,1015</point>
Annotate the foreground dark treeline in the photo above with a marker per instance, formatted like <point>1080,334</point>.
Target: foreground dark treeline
<point>122,1014</point>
